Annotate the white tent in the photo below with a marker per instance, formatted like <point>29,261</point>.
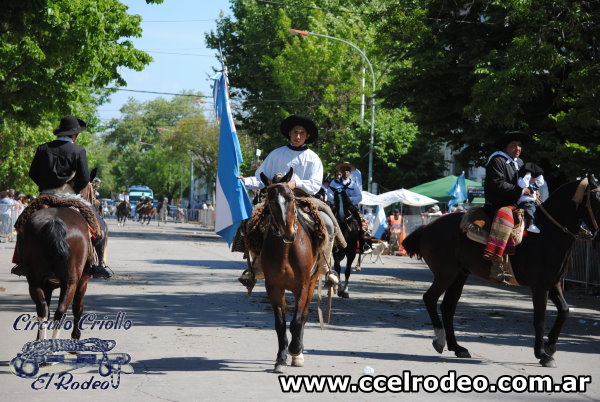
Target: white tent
<point>383,200</point>
<point>402,195</point>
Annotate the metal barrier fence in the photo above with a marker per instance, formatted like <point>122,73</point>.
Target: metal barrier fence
<point>584,262</point>
<point>8,217</point>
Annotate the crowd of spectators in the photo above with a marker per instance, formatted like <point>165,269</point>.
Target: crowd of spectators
<point>11,206</point>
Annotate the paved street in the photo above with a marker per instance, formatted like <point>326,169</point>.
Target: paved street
<point>195,335</point>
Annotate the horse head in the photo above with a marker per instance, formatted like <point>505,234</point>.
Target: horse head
<point>575,203</point>
<point>88,193</point>
<point>282,206</point>
<point>591,205</point>
<point>341,203</point>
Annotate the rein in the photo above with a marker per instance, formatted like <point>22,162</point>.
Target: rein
<point>577,198</point>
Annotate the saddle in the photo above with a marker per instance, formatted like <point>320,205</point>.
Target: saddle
<point>476,224</point>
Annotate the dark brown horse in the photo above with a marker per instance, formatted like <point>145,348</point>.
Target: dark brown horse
<point>56,244</point>
<point>539,263</point>
<point>350,228</point>
<point>123,212</point>
<point>289,261</point>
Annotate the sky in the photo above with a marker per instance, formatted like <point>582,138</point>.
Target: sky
<point>176,26</point>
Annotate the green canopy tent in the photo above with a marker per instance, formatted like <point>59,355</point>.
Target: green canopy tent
<point>439,188</point>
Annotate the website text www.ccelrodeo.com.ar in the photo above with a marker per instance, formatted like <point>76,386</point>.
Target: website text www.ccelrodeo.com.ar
<point>449,383</point>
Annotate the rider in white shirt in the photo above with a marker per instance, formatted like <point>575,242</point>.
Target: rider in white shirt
<point>308,168</point>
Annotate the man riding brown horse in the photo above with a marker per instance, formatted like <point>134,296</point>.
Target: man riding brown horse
<point>307,172</point>
<point>501,194</point>
<point>59,168</point>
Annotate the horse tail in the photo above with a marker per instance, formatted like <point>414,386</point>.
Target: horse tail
<point>412,243</point>
<point>54,240</point>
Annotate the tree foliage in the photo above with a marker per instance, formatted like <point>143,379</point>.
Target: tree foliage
<point>152,144</point>
<point>469,70</point>
<point>56,58</point>
<point>276,74</point>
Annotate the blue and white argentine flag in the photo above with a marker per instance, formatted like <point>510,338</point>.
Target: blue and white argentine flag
<point>232,202</point>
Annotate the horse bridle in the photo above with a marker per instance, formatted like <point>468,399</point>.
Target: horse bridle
<point>583,190</point>
<point>276,229</point>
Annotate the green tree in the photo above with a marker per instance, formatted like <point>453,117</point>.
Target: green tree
<point>275,74</point>
<point>56,58</point>
<point>153,142</point>
<point>469,70</point>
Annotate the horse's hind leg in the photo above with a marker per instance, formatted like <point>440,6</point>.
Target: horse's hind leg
<point>557,297</point>
<point>448,308</point>
<point>78,307</point>
<point>277,297</point>
<point>66,298</point>
<point>41,307</point>
<point>431,298</point>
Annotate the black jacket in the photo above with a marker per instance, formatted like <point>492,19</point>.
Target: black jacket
<point>54,162</point>
<point>500,185</point>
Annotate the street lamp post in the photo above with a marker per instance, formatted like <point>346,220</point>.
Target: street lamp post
<point>364,56</point>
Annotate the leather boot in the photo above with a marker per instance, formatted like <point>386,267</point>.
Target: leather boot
<point>101,271</point>
<point>497,272</point>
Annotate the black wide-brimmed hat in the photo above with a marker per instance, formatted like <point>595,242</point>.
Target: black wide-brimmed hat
<point>509,136</point>
<point>344,165</point>
<point>70,125</point>
<point>295,120</point>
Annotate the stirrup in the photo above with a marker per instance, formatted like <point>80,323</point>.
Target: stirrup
<point>248,280</point>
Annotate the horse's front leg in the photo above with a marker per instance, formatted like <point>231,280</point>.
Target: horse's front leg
<point>448,308</point>
<point>540,300</point>
<point>350,255</point>
<point>557,297</point>
<point>277,297</point>
<point>303,299</point>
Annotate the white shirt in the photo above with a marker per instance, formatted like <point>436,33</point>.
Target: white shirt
<point>525,182</point>
<point>308,169</point>
<point>353,190</point>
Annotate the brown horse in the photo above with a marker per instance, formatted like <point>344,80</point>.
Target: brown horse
<point>539,263</point>
<point>56,244</point>
<point>123,212</point>
<point>289,261</point>
<point>146,212</point>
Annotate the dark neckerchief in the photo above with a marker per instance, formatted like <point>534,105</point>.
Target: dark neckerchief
<point>300,148</point>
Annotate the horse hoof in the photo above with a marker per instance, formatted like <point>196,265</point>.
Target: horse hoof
<point>548,361</point>
<point>279,368</point>
<point>549,349</point>
<point>298,360</point>
<point>463,354</point>
<point>439,347</point>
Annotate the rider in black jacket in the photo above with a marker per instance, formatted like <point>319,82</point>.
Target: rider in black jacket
<point>60,167</point>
